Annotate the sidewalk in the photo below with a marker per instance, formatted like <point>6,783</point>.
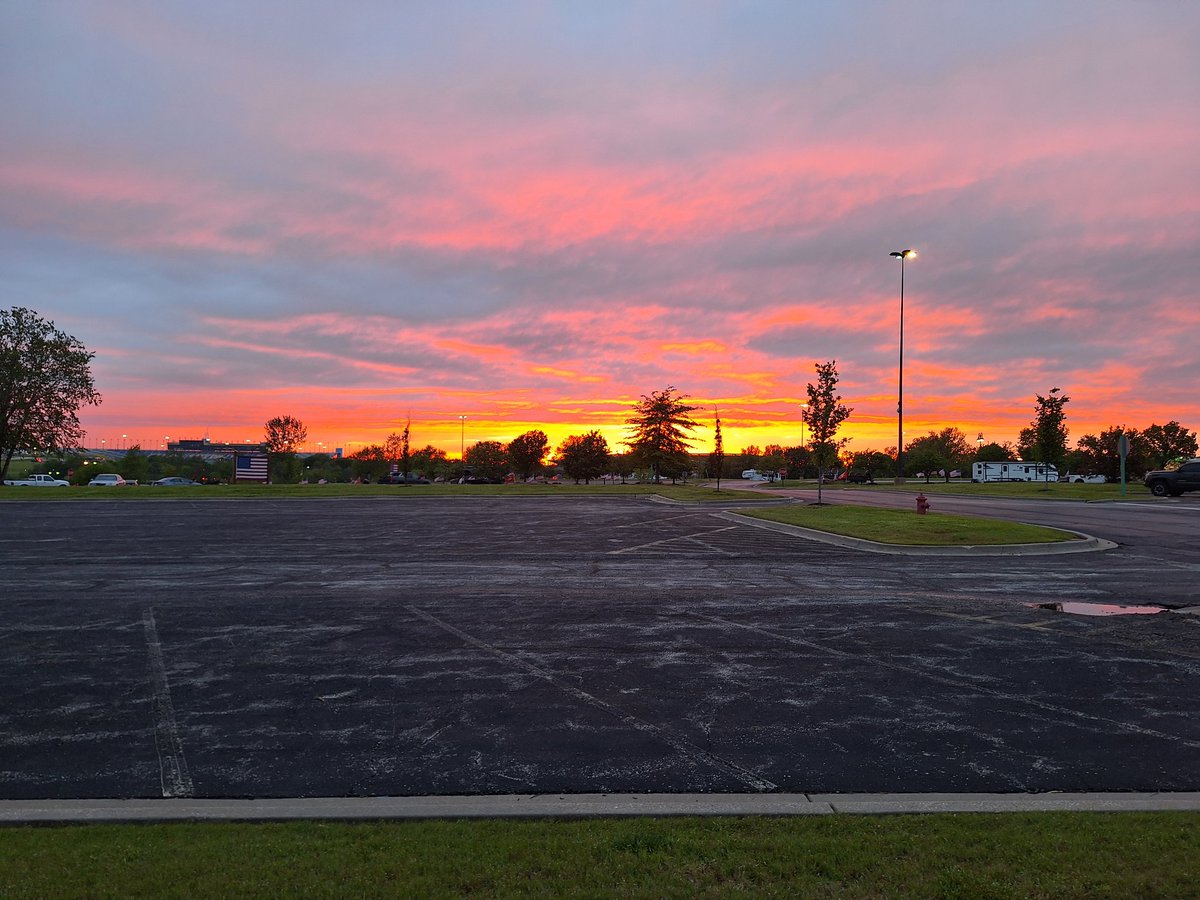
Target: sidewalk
<point>40,812</point>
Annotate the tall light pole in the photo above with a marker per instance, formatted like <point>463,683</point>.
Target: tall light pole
<point>803,411</point>
<point>462,447</point>
<point>901,255</point>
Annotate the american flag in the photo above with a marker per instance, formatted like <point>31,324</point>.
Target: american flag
<point>250,467</point>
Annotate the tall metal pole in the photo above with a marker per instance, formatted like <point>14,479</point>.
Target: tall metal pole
<point>900,387</point>
<point>902,255</point>
<point>803,410</point>
<point>462,451</point>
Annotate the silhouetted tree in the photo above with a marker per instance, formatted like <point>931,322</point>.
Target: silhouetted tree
<point>718,455</point>
<point>397,449</point>
<point>526,452</point>
<point>45,376</point>
<point>1049,443</point>
<point>994,453</point>
<point>1168,442</point>
<point>824,415</point>
<point>487,460</point>
<point>584,456</point>
<point>283,437</point>
<point>939,450</point>
<point>1101,455</point>
<point>659,437</point>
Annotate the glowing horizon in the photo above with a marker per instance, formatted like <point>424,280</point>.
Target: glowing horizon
<point>532,216</point>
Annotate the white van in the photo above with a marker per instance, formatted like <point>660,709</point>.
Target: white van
<point>753,475</point>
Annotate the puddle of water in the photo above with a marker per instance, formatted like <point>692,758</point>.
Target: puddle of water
<point>1100,609</point>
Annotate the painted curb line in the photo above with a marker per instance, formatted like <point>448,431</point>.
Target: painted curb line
<point>514,806</point>
<point>1086,544</point>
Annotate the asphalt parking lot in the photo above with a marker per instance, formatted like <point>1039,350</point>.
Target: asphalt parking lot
<point>385,647</point>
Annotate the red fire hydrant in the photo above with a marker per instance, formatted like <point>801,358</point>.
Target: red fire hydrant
<point>922,504</point>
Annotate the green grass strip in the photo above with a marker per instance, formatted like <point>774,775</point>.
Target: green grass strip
<point>685,492</point>
<point>905,527</point>
<point>970,856</point>
<point>1015,489</point>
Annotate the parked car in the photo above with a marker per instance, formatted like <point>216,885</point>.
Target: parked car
<point>1084,479</point>
<point>398,478</point>
<point>859,478</point>
<point>1173,482</point>
<point>752,475</point>
<point>107,480</point>
<point>175,481</point>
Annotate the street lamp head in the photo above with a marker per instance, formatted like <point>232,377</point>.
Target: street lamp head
<point>903,254</point>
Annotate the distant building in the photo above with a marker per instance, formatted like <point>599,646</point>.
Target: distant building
<point>205,447</point>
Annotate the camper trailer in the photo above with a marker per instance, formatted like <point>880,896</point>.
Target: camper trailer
<point>1011,470</point>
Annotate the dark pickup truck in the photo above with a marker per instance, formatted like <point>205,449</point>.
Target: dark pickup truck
<point>1173,482</point>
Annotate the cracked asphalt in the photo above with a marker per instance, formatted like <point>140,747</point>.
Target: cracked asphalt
<point>410,646</point>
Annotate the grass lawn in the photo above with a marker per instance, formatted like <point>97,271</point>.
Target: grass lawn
<point>897,526</point>
<point>1016,489</point>
<point>968,856</point>
<point>689,492</point>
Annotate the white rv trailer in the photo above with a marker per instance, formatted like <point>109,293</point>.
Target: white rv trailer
<point>1018,470</point>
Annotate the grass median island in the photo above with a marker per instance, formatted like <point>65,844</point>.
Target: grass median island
<point>905,527</point>
<point>975,855</point>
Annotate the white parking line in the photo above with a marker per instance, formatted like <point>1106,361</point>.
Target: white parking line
<point>687,748</point>
<point>671,540</point>
<point>173,769</point>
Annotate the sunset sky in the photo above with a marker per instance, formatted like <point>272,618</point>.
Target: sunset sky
<point>531,213</point>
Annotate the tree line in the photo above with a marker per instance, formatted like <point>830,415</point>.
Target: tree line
<point>45,378</point>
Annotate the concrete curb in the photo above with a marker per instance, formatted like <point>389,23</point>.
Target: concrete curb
<point>42,812</point>
<point>1085,544</point>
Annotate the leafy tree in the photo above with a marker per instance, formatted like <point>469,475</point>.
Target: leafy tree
<point>870,462</point>
<point>134,466</point>
<point>773,461</point>
<point>824,415</point>
<point>717,460</point>
<point>1049,444</point>
<point>798,460</point>
<point>939,450</point>
<point>659,437</point>
<point>622,464</point>
<point>1101,454</point>
<point>369,462</point>
<point>487,459</point>
<point>45,376</point>
<point>994,453</point>
<point>771,464</point>
<point>430,461</point>
<point>283,437</point>
<point>1168,442</point>
<point>584,456</point>
<point>526,453</point>
<point>396,448</point>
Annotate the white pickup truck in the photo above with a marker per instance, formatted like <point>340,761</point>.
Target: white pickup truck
<point>38,481</point>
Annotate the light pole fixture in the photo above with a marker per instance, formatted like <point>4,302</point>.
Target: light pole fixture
<point>979,440</point>
<point>901,255</point>
<point>462,448</point>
